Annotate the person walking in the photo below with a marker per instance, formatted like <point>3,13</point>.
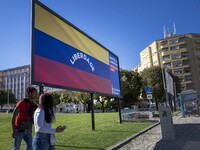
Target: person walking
<point>43,118</point>
<point>22,119</point>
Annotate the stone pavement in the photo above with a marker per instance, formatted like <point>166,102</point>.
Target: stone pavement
<point>187,137</point>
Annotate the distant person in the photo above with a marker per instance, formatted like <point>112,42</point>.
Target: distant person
<point>43,118</point>
<point>22,119</point>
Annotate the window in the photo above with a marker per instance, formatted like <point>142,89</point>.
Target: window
<point>155,62</point>
<point>164,49</point>
<point>164,43</point>
<point>188,78</point>
<point>173,41</point>
<point>178,71</point>
<point>184,55</point>
<point>166,58</point>
<point>155,53</point>
<point>186,63</point>
<point>190,86</point>
<point>174,48</point>
<point>176,56</point>
<point>183,46</point>
<point>177,64</point>
<point>167,65</point>
<point>187,70</point>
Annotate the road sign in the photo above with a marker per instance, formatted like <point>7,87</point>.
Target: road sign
<point>149,96</point>
<point>148,90</point>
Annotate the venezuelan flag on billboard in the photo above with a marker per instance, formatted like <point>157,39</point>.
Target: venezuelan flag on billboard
<point>65,57</point>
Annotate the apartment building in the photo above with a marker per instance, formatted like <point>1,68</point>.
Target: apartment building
<point>149,57</point>
<point>16,80</point>
<point>179,54</point>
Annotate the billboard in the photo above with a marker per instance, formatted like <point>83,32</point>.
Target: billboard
<point>169,83</point>
<point>64,56</point>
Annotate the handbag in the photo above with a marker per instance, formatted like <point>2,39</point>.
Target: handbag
<point>53,139</point>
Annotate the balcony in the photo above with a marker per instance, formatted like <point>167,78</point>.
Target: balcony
<point>182,42</point>
<point>166,53</point>
<point>177,67</point>
<point>183,50</point>
<point>184,58</point>
<point>166,61</point>
<point>162,42</point>
<point>186,66</point>
<point>187,73</point>
<point>164,46</point>
<point>188,82</point>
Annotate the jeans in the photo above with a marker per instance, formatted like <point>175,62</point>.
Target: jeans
<point>27,136</point>
<point>41,141</point>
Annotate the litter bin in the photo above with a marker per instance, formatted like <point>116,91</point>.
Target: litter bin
<point>166,123</point>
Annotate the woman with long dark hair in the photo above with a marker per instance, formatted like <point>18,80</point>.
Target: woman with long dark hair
<point>43,118</point>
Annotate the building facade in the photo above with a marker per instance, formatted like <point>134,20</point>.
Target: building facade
<point>16,80</point>
<point>179,54</point>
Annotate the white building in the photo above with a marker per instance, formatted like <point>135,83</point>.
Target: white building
<point>17,80</point>
<point>70,107</point>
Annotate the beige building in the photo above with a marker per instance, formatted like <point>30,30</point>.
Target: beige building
<point>16,80</point>
<point>180,54</point>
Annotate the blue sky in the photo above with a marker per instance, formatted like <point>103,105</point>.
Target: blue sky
<point>125,27</point>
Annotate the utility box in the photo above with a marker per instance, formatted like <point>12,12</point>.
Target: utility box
<point>166,122</point>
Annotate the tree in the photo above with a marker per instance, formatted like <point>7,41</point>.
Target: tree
<point>56,97</point>
<point>103,100</point>
<point>66,96</point>
<point>131,86</point>
<point>4,97</point>
<point>152,77</point>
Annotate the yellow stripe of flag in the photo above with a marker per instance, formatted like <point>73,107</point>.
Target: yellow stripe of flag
<point>55,27</point>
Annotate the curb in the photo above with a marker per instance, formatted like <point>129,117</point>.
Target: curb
<point>126,141</point>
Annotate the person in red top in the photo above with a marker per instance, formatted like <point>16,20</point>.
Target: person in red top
<point>22,120</point>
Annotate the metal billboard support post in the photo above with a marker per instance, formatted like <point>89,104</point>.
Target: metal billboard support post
<point>119,106</point>
<point>92,112</point>
<point>41,89</point>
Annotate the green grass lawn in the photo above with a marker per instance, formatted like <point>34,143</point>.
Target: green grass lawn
<point>79,134</point>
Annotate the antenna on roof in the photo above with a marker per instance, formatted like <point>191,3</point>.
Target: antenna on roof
<point>165,32</point>
<point>174,33</point>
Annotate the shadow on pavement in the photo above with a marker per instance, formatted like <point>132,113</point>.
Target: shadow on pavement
<point>187,137</point>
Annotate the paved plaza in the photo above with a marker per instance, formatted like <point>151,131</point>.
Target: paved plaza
<point>187,137</point>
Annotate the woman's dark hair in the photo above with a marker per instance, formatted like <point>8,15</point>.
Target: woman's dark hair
<point>47,103</point>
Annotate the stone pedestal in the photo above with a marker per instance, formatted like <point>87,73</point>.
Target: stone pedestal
<point>166,122</point>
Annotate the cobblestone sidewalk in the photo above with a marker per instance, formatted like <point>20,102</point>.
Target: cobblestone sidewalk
<point>187,132</point>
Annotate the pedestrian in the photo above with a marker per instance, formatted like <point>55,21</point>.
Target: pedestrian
<point>43,118</point>
<point>22,119</point>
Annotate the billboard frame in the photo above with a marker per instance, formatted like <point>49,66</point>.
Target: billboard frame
<point>76,28</point>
